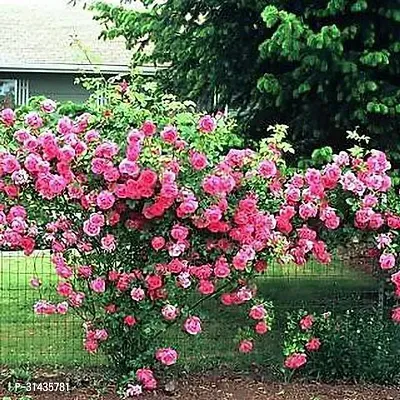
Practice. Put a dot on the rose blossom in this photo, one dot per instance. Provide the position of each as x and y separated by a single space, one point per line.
64 289
148 128
108 243
169 134
246 346
167 356
257 312
387 261
295 360
169 312
267 169
130 320
98 285
154 282
137 294
261 328
35 283
307 322
207 124
146 377
157 243
198 160
34 120
396 315
313 344
105 200
7 116
48 106
192 325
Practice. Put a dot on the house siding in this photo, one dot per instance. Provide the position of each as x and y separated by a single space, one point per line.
59 87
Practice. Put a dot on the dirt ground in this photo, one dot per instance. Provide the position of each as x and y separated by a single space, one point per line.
210 388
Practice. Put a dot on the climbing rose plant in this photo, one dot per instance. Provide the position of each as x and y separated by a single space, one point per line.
144 228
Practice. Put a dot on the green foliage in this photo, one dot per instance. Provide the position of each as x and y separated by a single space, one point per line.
336 63
212 46
322 66
359 346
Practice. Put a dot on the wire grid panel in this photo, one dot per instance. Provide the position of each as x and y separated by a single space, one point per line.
57 340
26 337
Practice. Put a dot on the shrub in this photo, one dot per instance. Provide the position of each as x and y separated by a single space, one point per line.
141 208
354 346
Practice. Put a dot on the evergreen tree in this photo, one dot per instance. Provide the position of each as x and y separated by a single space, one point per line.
322 67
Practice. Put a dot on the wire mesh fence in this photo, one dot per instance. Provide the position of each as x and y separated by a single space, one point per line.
57 340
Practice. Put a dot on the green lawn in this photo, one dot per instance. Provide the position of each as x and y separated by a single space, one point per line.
57 340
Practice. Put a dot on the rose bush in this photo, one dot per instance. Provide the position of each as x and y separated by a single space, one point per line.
352 346
144 202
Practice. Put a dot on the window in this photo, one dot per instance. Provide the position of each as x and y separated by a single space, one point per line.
13 92
21 91
7 93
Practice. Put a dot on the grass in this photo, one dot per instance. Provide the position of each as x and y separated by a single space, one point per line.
57 340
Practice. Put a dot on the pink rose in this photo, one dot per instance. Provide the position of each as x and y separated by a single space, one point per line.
295 360
108 243
76 299
129 168
169 312
34 120
376 221
35 283
308 210
64 289
7 117
313 344
169 134
261 328
198 160
105 200
85 271
221 269
307 322
157 243
130 320
48 106
396 315
62 308
137 294
206 287
207 124
91 229
97 219
257 312
179 232
148 128
154 282
192 325
101 334
246 346
176 249
92 136
146 377
267 169
144 374
167 356
98 285
387 261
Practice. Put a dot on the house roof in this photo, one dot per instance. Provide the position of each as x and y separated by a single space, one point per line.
53 36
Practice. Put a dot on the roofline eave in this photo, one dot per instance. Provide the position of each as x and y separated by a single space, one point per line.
74 69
